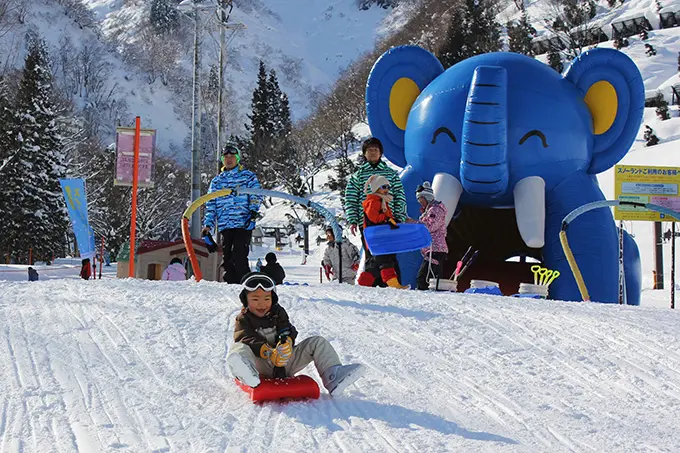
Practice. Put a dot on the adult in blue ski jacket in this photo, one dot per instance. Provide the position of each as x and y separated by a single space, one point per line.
235 216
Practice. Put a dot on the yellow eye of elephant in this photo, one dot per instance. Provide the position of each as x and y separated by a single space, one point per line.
533 133
443 130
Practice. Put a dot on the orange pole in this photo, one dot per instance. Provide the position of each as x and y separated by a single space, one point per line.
135 177
30 255
186 235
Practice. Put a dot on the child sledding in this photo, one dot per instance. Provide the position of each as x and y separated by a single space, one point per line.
265 343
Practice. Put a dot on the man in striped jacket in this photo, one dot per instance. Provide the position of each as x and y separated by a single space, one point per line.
235 215
355 193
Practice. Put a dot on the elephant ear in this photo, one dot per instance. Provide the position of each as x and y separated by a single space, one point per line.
612 88
395 82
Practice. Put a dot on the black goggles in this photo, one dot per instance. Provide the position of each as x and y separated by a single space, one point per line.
259 281
230 150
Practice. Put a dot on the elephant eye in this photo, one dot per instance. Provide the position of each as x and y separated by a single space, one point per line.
535 133
443 130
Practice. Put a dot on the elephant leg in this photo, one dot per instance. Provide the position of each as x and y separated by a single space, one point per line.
592 238
409 262
632 269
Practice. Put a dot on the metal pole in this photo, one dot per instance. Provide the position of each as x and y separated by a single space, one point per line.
658 255
195 230
621 272
223 22
672 264
305 227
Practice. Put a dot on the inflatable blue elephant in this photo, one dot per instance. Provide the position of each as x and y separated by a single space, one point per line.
503 136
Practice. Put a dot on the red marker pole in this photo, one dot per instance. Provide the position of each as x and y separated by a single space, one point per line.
135 178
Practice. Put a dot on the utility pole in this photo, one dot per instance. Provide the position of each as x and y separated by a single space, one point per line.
195 229
223 22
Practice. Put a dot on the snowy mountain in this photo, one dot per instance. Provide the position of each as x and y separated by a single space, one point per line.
307 50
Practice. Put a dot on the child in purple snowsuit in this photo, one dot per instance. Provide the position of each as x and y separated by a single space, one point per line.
434 217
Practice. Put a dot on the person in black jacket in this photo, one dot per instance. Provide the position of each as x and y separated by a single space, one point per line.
273 269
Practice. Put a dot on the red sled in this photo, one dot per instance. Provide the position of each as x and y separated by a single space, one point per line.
296 387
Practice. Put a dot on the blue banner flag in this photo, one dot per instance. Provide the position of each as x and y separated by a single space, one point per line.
76 202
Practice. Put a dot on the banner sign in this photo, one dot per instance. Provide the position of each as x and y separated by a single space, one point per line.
76 203
647 184
125 156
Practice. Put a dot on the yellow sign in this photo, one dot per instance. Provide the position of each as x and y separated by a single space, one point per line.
647 184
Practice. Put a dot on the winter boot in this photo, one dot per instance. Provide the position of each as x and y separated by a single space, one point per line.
243 370
389 276
337 378
366 279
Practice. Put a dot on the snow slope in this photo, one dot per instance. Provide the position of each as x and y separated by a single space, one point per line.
130 365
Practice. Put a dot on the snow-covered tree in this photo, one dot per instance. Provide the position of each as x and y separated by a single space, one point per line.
472 30
555 60
520 34
164 16
40 213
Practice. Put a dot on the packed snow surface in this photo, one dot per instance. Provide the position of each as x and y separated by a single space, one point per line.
138 366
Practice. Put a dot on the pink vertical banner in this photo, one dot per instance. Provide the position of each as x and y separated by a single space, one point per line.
125 156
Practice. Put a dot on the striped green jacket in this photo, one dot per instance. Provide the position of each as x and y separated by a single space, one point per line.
355 193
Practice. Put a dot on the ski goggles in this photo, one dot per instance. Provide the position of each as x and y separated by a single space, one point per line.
261 281
385 187
232 150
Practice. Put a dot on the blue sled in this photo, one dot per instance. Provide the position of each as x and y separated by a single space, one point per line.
382 240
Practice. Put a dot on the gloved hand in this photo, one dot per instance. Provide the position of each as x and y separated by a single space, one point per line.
355 267
282 353
254 216
393 224
276 357
328 270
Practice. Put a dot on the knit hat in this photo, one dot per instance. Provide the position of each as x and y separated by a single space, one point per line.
270 258
375 182
425 190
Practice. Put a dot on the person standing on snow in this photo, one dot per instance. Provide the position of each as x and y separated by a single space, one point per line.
235 215
377 212
175 271
355 193
434 217
332 261
32 275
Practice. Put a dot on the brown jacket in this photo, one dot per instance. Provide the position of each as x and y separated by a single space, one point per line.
256 332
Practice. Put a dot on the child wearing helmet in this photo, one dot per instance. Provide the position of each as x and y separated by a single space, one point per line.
265 342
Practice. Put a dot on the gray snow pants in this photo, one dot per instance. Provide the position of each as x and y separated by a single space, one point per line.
313 349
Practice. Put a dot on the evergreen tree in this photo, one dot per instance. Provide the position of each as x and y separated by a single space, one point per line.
40 213
520 34
259 127
555 60
8 155
650 50
650 138
472 30
164 16
661 107
270 127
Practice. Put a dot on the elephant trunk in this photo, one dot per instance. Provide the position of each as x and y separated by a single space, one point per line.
484 163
